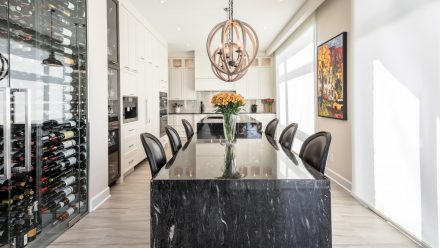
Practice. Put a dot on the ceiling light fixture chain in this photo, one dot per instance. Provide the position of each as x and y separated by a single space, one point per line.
231 59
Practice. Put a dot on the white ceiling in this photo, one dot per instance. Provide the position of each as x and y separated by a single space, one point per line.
185 24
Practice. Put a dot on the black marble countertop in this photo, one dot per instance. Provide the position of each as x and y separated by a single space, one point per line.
212 113
204 159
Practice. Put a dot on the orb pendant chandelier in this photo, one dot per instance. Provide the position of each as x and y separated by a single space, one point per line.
236 49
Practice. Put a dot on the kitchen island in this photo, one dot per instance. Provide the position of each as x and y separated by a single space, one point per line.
211 127
252 194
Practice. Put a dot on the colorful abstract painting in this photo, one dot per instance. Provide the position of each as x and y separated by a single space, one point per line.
332 78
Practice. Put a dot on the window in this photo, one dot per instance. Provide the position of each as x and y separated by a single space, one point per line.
295 64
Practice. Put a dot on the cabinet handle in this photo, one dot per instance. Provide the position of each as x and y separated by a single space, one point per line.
131 130
131 161
126 67
130 146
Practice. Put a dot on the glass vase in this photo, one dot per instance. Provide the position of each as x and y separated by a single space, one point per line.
230 170
229 127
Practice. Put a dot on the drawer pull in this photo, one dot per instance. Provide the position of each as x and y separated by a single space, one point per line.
131 161
130 146
131 130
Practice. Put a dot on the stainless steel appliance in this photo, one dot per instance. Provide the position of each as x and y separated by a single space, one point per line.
114 170
130 108
163 112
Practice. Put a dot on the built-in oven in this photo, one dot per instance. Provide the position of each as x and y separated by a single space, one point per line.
114 170
163 112
130 108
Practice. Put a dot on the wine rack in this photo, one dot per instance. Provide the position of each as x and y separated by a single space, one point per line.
44 138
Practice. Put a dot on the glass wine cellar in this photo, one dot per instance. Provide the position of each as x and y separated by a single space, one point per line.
43 119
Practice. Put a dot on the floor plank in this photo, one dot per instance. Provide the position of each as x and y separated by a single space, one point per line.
123 220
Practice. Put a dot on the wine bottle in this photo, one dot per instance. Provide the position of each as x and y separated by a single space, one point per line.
66 201
31 230
56 194
58 155
69 212
62 183
50 124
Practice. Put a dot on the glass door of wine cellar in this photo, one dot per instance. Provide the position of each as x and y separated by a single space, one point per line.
43 119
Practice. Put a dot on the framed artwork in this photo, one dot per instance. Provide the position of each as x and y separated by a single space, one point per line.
332 78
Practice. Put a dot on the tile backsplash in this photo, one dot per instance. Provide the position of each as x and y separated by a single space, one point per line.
193 106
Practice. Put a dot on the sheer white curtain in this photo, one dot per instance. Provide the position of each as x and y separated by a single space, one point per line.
295 64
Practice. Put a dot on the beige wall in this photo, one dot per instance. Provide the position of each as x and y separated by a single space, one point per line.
332 18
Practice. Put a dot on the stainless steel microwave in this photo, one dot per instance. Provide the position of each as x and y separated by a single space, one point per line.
130 108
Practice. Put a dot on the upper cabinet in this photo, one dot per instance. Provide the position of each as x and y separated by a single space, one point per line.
127 27
259 81
182 79
140 41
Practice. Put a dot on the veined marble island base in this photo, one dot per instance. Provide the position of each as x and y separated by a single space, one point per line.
240 213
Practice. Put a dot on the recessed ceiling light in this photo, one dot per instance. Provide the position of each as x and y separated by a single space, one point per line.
162 1
179 29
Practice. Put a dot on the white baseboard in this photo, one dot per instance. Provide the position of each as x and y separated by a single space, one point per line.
99 199
340 180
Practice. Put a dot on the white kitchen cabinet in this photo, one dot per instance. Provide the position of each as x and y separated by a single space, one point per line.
140 41
148 47
144 73
124 38
132 43
181 83
128 83
163 67
266 83
188 84
258 83
155 53
127 40
253 84
176 83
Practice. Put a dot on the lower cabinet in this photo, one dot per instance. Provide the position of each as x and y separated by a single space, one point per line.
129 146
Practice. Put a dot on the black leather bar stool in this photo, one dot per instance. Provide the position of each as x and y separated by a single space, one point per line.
315 149
288 135
174 138
188 129
271 128
155 152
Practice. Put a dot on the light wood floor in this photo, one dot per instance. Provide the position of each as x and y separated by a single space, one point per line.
123 220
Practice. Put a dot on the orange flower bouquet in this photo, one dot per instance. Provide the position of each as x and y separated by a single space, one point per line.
228 104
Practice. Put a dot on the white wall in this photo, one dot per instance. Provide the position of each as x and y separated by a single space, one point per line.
98 95
332 18
396 112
